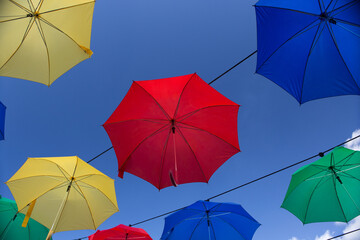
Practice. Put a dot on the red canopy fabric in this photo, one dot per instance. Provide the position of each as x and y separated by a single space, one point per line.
173 130
121 232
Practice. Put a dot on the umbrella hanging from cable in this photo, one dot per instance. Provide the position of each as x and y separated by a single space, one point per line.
42 39
326 190
210 221
174 130
63 193
310 48
121 232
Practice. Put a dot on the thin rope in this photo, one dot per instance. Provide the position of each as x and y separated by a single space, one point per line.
344 234
233 67
321 154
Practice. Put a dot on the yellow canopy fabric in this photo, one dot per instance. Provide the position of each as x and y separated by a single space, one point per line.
42 39
67 189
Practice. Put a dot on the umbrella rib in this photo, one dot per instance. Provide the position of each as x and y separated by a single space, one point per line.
10 181
187 115
21 6
348 29
196 226
28 28
199 129
182 91
144 119
349 4
163 110
345 174
182 135
312 193
289 9
212 226
14 19
87 204
301 31
41 31
232 227
163 157
346 159
136 147
314 42
330 5
337 197
337 48
64 8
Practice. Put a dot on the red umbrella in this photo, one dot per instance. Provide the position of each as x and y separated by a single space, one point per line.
121 232
173 130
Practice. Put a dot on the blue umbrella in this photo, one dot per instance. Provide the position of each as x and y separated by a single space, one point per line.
2 120
310 48
210 221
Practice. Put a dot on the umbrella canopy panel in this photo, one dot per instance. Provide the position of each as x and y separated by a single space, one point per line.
42 39
210 221
86 196
326 190
173 130
310 48
10 223
121 232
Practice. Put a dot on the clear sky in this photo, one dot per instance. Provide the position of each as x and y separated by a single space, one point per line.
141 40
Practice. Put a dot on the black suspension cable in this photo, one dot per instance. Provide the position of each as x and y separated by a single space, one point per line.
233 67
344 234
321 154
100 154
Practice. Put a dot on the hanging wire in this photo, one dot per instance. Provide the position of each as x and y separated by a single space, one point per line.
321 154
233 67
100 154
344 234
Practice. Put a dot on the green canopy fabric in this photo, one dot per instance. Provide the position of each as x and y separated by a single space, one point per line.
327 190
10 223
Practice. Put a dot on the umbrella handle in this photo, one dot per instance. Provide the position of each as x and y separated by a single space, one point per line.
52 229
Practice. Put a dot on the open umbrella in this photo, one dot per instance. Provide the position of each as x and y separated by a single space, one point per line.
63 193
173 130
326 190
10 223
310 48
42 39
2 121
210 221
121 232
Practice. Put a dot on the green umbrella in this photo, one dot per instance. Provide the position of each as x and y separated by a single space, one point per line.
327 190
11 220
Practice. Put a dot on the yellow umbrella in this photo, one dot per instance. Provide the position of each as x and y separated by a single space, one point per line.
63 193
42 39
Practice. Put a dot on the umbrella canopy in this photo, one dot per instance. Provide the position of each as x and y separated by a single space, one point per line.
10 223
42 39
326 190
121 232
173 130
2 121
210 220
63 193
310 48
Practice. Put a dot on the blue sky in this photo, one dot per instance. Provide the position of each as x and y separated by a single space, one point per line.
140 40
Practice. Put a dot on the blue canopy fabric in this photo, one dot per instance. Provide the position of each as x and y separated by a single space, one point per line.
310 48
210 221
2 120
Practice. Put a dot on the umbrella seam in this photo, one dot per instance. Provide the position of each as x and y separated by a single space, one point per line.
343 6
142 119
182 91
14 19
163 157
59 9
313 44
338 50
185 116
200 129
301 31
21 6
196 226
161 108
201 169
28 28
137 146
42 34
